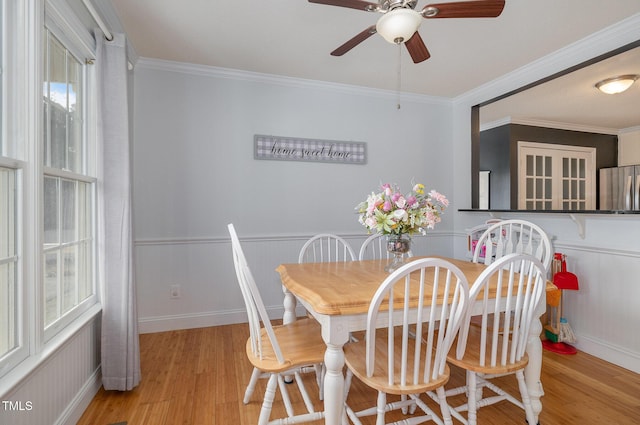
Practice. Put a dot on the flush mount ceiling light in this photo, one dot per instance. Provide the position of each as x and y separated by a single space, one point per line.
616 84
398 25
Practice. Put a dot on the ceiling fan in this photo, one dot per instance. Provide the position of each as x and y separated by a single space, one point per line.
400 21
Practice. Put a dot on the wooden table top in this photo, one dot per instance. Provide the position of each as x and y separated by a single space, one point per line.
347 287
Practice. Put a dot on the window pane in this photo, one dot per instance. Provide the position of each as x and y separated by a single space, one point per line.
50 287
539 192
68 211
529 170
58 103
63 111
69 278
8 260
547 188
8 319
75 116
68 249
51 208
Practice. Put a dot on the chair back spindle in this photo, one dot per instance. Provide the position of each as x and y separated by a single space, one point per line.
326 247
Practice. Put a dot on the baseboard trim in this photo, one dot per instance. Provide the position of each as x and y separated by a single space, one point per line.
202 320
610 353
81 401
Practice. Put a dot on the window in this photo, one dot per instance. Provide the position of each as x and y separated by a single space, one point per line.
68 187
556 177
47 181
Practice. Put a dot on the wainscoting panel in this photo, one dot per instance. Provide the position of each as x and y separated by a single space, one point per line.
604 312
60 388
203 269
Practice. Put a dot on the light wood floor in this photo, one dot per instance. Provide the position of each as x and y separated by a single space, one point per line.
198 376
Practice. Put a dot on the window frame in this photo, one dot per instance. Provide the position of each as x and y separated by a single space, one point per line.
74 45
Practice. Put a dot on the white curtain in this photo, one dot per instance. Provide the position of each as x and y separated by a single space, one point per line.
120 345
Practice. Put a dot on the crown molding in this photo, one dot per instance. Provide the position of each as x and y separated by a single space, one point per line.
291 82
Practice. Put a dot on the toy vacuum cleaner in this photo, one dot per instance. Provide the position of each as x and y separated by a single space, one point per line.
558 332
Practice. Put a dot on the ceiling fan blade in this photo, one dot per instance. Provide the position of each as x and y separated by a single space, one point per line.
354 41
417 49
464 9
353 4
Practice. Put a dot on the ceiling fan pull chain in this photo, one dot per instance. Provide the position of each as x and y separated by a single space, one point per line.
398 88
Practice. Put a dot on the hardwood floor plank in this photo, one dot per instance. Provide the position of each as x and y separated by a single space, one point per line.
198 377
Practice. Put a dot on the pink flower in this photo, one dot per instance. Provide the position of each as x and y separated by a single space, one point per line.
387 206
370 222
411 200
440 198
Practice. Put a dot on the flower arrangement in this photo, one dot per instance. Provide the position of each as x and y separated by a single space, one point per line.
391 212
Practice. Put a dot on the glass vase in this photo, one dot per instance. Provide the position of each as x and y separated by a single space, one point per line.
397 247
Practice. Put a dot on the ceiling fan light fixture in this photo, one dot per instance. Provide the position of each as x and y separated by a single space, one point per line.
398 25
616 84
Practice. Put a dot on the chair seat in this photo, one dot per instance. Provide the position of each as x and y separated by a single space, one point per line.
471 359
295 354
355 359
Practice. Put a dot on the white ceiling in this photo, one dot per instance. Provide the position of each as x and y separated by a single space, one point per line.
294 38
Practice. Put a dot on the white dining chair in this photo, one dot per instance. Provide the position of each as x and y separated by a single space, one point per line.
513 236
391 362
496 347
276 351
375 247
326 247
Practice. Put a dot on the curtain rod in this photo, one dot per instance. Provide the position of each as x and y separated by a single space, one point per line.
96 17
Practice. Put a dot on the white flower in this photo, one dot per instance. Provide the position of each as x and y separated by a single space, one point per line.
400 215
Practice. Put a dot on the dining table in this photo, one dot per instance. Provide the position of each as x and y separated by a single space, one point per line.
338 294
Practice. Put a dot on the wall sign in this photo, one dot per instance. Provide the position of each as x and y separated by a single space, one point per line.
311 150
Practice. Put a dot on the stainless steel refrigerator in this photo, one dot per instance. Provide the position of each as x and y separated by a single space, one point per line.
620 188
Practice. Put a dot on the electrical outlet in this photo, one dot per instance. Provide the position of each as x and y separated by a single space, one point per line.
174 292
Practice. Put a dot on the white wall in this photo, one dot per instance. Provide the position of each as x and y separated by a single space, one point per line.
603 250
629 147
194 172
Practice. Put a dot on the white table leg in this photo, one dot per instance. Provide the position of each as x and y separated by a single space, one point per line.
533 369
289 315
335 338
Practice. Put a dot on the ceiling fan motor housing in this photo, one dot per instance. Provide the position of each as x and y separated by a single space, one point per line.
388 5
